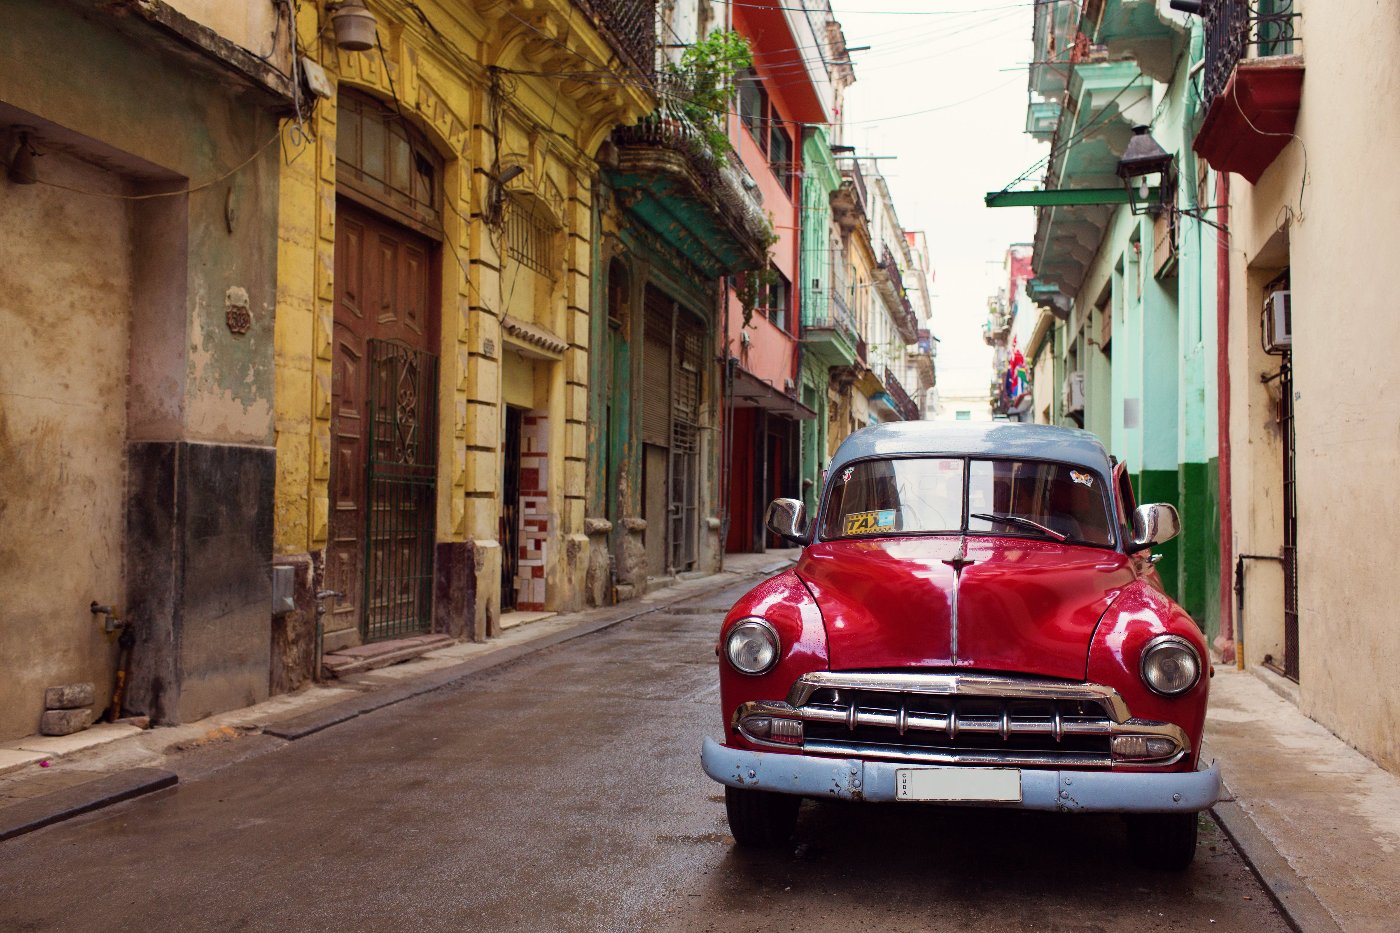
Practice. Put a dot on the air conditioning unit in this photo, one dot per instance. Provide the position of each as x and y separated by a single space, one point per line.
1073 396
1278 320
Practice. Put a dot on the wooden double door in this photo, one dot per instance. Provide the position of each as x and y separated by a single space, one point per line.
383 427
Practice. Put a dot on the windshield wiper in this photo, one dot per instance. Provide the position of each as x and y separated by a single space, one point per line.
1019 521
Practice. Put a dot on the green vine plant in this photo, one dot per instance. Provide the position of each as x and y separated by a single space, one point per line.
752 290
706 74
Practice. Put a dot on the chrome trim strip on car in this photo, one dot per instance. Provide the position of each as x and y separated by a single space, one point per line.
1066 790
970 757
968 685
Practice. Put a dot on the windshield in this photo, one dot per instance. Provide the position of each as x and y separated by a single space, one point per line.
927 495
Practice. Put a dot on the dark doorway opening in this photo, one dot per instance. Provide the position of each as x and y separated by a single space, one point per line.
510 507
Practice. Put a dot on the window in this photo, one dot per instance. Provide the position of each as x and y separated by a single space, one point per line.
1013 497
768 129
777 301
530 236
941 495
885 497
380 157
780 153
753 108
964 414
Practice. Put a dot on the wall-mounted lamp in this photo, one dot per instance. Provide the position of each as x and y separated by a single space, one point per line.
499 180
1144 166
354 25
21 170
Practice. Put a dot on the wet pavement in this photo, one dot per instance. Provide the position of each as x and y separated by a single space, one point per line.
563 792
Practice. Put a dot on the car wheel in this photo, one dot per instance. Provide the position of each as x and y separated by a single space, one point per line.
760 819
1162 840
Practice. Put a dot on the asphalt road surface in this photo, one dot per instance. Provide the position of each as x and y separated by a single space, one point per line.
563 792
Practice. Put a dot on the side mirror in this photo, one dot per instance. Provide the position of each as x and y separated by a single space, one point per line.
1154 524
787 518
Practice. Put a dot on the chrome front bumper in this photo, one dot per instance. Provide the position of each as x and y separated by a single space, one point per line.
1047 789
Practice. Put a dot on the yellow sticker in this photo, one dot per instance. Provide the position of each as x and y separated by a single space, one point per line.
870 523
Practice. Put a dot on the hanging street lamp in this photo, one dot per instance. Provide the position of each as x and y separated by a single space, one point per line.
1145 166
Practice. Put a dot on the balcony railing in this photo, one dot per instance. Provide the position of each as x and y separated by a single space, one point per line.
1233 27
905 319
670 126
902 401
631 24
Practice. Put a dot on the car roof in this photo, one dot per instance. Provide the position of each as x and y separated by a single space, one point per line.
975 439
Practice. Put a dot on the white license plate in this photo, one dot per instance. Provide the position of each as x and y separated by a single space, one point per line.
979 785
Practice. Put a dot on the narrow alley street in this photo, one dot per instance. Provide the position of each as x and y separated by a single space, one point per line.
563 792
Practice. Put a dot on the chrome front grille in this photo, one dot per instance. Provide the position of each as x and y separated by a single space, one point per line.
970 719
1049 729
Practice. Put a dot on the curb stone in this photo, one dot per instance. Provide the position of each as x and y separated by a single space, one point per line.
82 798
1289 892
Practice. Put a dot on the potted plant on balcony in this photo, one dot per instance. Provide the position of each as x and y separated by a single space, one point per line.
703 88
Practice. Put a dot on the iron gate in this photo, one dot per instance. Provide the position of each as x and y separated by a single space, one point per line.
1290 521
402 487
688 355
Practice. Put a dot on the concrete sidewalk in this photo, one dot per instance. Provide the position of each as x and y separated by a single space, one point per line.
46 780
1318 821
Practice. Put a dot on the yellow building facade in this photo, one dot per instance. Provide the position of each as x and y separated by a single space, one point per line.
434 296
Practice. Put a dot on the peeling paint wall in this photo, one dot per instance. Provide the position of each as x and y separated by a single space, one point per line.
64 313
163 508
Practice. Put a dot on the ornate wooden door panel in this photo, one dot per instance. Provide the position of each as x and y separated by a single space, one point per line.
383 299
345 549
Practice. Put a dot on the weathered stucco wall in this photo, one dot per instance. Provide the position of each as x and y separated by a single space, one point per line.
64 323
1339 229
193 463
260 26
435 67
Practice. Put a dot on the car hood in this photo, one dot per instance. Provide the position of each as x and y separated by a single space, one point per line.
1023 606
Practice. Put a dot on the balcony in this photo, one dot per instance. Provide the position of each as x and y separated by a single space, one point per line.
902 402
1103 103
695 200
630 25
1253 81
889 281
848 201
1145 31
828 327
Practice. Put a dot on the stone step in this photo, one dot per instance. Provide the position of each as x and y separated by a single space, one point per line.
371 657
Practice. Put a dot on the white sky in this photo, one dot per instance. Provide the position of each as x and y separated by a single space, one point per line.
955 55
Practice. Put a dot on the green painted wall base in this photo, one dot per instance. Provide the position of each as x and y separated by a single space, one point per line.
1190 565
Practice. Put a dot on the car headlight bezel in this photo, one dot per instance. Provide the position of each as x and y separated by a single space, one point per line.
1158 648
749 632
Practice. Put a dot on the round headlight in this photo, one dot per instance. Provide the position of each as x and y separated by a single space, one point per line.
1170 665
752 646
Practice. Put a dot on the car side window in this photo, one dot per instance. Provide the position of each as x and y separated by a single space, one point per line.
1127 502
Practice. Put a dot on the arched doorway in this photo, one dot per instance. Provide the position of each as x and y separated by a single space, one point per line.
384 383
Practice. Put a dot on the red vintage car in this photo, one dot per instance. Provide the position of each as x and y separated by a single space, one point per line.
975 619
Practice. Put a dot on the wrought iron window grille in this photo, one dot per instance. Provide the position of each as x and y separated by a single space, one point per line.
530 238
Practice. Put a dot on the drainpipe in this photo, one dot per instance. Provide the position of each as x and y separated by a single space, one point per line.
1227 643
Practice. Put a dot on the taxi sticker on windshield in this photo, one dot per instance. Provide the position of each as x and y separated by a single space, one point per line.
1083 479
846 474
870 523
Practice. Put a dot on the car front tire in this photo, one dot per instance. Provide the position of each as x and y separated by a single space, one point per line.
760 819
1164 841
